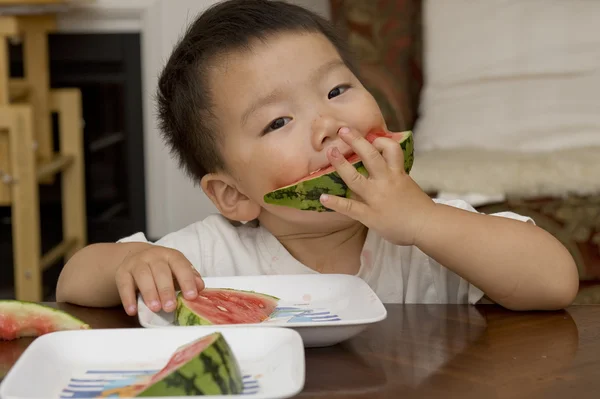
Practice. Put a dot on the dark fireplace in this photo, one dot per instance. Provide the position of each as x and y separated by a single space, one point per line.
107 69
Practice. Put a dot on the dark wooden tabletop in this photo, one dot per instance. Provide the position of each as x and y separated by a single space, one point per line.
445 351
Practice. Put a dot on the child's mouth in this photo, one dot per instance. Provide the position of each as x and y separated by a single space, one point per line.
347 155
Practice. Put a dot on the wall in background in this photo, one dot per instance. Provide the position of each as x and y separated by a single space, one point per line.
319 6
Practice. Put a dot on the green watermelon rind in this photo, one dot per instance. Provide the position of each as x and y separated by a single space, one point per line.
24 309
184 316
214 371
306 194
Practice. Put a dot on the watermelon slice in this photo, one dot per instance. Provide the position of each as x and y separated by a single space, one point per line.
305 193
27 319
224 306
206 366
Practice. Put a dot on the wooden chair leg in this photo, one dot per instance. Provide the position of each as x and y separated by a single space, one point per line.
37 74
4 94
4 70
25 202
67 102
4 169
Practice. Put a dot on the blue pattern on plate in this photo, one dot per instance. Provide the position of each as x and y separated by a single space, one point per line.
92 383
303 315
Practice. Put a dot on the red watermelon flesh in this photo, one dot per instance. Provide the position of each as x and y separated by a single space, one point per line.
225 306
182 356
352 158
28 319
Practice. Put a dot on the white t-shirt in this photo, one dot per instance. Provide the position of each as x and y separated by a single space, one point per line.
397 274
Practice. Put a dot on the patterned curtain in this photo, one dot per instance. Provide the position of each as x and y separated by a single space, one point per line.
386 38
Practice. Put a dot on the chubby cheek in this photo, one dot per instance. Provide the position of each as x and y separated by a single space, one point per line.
269 168
286 168
364 114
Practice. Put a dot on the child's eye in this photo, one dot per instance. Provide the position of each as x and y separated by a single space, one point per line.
277 124
337 91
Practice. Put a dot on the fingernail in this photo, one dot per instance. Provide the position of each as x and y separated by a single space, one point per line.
324 197
190 293
168 304
336 153
344 130
154 304
131 309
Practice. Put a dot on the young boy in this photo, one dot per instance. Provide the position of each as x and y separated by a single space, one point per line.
260 93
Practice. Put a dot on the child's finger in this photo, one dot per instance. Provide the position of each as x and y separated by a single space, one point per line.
185 274
126 288
391 152
163 278
355 197
354 209
145 283
355 181
199 283
369 155
188 282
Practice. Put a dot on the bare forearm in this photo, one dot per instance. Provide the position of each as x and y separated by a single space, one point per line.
517 265
88 278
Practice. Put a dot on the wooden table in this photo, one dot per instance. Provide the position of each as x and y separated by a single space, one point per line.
445 351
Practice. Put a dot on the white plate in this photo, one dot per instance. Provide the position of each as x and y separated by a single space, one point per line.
68 364
324 308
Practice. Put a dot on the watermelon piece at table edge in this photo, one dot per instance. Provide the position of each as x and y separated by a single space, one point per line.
30 319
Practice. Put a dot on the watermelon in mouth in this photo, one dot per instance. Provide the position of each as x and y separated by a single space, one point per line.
306 192
27 319
224 306
206 366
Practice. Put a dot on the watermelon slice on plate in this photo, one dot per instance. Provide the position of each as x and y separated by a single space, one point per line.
206 366
224 306
305 193
323 308
28 319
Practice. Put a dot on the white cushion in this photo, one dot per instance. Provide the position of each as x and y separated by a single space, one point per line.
510 75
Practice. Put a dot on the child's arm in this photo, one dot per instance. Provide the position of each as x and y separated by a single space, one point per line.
88 278
517 265
103 275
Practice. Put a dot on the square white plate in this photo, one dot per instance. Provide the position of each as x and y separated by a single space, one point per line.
324 308
71 364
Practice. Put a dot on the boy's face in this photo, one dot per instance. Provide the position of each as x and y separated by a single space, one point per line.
279 107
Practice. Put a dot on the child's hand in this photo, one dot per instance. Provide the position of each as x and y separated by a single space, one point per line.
391 203
151 271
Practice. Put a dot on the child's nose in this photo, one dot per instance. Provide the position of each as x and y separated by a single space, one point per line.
324 130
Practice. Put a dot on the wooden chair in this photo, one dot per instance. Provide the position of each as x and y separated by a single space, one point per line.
27 156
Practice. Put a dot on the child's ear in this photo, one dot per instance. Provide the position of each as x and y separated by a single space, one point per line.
230 202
